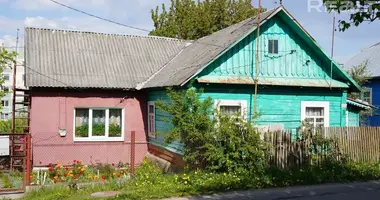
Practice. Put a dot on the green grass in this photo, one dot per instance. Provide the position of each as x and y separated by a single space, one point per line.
151 183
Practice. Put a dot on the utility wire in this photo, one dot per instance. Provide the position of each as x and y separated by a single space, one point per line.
97 17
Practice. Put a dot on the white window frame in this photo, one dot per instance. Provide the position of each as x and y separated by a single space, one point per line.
316 104
104 138
241 103
150 132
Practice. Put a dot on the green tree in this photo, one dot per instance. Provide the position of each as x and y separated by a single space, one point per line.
362 11
190 20
361 75
6 59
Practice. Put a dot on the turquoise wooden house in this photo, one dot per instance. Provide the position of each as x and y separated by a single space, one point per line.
297 80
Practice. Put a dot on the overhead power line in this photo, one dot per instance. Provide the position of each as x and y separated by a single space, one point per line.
97 17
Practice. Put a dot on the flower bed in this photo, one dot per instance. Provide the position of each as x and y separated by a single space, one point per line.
79 173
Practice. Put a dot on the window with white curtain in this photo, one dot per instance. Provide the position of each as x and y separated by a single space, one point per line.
98 124
316 113
231 107
151 119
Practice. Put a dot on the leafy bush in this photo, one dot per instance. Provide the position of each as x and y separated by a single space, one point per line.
326 172
223 143
6 126
191 122
235 146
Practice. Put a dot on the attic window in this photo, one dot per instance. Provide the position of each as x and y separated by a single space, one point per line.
273 46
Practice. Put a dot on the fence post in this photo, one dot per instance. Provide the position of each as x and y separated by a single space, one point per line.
28 159
133 141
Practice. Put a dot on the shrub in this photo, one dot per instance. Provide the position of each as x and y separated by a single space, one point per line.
222 143
191 122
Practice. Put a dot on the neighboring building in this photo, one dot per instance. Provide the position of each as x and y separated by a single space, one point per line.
84 101
371 90
6 101
83 83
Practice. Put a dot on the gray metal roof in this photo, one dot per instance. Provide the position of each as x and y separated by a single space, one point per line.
370 54
62 58
195 56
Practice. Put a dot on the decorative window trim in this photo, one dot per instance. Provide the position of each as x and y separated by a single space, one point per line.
105 138
150 132
242 103
317 104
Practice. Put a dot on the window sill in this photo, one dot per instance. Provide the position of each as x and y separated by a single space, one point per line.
118 139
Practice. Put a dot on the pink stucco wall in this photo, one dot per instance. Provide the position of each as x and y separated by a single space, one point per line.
52 110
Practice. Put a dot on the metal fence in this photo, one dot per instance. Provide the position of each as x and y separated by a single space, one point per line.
15 165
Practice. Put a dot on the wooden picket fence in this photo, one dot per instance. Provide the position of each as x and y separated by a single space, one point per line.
360 144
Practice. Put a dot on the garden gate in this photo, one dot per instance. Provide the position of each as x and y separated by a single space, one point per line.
15 147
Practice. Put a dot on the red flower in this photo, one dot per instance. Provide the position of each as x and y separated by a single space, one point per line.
122 171
64 175
118 175
113 164
80 172
103 177
50 169
75 161
78 161
67 169
55 180
62 180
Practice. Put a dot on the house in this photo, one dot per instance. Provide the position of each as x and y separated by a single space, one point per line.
371 90
84 85
84 104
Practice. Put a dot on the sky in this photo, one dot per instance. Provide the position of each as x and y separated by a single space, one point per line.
16 14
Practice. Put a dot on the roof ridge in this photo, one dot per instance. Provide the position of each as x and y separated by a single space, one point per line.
377 43
106 34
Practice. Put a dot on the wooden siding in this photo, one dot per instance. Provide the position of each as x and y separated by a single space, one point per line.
276 105
290 62
161 126
280 105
